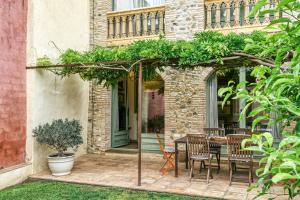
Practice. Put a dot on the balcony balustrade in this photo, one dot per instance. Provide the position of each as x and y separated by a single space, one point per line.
233 15
133 24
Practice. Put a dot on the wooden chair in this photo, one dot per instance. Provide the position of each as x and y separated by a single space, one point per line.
198 150
244 131
236 154
229 127
169 156
215 148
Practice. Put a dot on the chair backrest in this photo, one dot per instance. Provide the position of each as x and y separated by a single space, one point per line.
234 142
198 144
214 131
161 146
245 131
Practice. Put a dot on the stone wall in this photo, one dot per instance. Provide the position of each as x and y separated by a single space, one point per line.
184 90
184 18
99 119
98 21
184 102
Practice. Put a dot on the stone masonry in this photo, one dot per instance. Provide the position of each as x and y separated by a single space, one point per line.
99 118
184 18
184 89
184 102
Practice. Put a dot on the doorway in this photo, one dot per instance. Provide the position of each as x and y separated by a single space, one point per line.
227 116
124 114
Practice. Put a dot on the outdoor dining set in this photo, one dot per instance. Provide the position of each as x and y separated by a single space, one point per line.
206 147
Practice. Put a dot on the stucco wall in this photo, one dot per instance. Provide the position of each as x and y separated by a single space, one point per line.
12 82
66 23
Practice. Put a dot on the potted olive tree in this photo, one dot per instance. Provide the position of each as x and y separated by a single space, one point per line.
60 135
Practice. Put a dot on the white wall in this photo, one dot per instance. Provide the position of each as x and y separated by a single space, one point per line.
66 23
14 175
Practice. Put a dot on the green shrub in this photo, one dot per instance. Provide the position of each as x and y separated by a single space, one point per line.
59 135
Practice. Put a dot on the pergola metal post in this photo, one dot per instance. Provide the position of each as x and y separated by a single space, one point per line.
139 132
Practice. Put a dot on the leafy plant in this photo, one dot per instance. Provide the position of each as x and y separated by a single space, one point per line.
59 135
205 46
43 61
277 90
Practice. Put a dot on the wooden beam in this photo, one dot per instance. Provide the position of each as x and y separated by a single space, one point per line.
80 65
140 85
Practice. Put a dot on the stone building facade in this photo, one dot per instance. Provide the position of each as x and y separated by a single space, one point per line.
185 90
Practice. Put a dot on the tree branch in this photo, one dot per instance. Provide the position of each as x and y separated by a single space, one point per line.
254 57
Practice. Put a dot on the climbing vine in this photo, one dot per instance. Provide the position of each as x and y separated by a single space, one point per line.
203 47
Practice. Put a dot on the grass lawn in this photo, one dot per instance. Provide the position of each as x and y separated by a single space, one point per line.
51 190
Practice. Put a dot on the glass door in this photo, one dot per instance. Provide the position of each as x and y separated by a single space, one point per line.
119 117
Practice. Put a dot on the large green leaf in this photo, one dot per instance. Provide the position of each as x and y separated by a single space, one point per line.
297 127
257 120
293 109
259 4
256 111
289 140
282 177
269 138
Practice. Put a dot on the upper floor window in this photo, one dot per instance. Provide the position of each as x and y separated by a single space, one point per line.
131 4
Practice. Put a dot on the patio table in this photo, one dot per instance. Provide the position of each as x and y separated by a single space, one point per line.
183 140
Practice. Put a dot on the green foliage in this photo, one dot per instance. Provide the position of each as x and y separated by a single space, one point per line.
276 90
59 135
205 46
43 61
278 165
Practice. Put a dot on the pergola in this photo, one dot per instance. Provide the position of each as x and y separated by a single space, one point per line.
236 60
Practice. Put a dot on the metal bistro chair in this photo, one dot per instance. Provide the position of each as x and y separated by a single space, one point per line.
198 150
169 155
236 154
215 148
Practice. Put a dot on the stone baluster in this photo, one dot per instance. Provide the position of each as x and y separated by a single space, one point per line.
138 25
236 13
208 17
130 26
227 24
111 27
118 32
161 22
218 15
266 16
153 22
123 26
277 14
145 24
247 12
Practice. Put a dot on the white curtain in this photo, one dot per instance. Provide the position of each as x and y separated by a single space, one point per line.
212 102
131 4
115 108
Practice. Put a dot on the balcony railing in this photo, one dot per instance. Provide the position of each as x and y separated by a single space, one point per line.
233 14
136 23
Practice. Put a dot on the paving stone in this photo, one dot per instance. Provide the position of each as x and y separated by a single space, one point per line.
120 170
